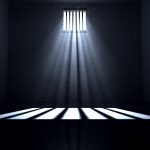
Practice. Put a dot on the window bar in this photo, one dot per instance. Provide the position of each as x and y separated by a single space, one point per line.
64 17
74 21
84 20
78 26
70 20
67 20
81 21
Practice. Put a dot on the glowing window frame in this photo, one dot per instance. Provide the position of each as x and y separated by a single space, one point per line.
74 20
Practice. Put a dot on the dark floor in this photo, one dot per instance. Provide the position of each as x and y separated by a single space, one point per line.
75 135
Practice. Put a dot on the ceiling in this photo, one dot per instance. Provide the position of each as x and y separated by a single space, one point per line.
73 1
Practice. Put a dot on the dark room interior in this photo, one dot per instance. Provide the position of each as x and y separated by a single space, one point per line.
105 65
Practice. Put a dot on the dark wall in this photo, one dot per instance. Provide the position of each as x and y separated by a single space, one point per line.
101 67
3 48
146 47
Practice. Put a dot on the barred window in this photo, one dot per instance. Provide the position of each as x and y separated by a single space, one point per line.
74 20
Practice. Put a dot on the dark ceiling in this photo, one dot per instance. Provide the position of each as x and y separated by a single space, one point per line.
70 1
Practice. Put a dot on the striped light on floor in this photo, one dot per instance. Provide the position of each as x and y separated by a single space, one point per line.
113 114
16 113
134 114
52 114
31 114
91 114
72 113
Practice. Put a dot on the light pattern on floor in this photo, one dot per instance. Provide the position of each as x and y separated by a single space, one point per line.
73 114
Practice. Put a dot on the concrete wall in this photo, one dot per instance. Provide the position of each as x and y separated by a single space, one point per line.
102 67
3 48
145 13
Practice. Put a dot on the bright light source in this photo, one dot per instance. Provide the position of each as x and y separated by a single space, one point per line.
70 21
84 20
65 19
68 25
78 20
81 21
74 20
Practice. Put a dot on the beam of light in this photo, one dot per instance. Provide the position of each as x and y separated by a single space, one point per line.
84 20
95 64
134 114
84 84
72 113
72 69
91 114
81 21
52 114
67 20
16 113
113 114
70 21
30 114
78 25
64 21
74 21
64 77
